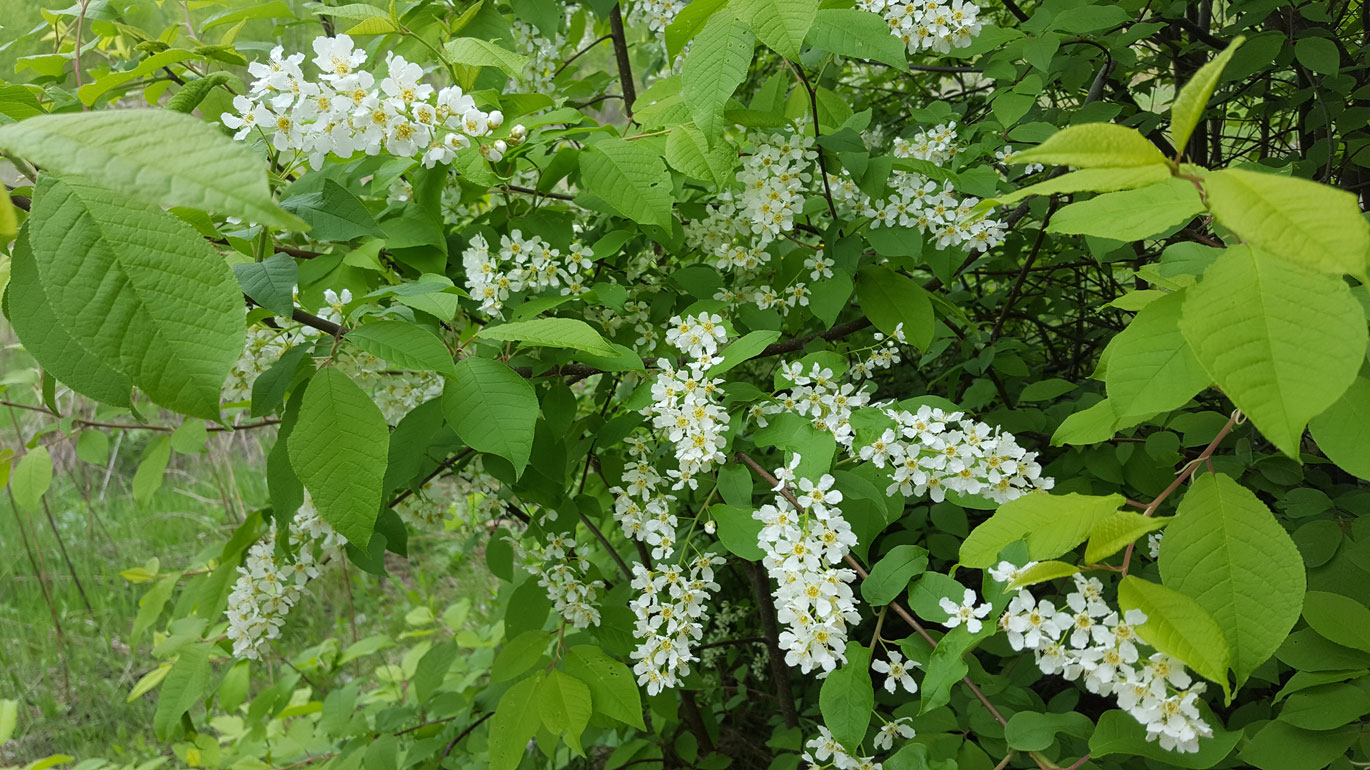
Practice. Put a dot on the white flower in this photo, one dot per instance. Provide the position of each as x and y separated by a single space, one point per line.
966 613
897 672
898 728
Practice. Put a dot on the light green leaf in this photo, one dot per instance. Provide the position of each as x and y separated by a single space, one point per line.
1226 550
890 299
744 348
613 688
1085 180
780 24
714 67
9 221
9 718
50 339
565 707
517 719
1150 366
148 682
947 666
1094 145
89 92
1120 733
270 283
339 448
1087 426
1112 533
687 24
151 469
158 157
688 151
1316 226
1131 215
32 477
404 344
1189 104
1033 731
631 178
1283 342
848 697
1338 618
1340 430
891 575
518 655
492 409
140 289
1178 626
333 213
1041 572
184 686
475 52
1051 525
857 34
551 333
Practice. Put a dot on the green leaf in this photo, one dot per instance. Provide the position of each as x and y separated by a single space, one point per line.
889 299
1316 226
333 213
737 530
947 666
687 24
1339 430
1338 618
551 333
1282 746
9 220
565 707
1032 731
1041 572
151 469
857 34
194 91
32 478
518 655
517 719
688 151
183 687
432 669
404 344
1189 104
49 338
744 348
89 92
1150 366
1283 342
714 67
270 283
1318 54
1326 707
1131 215
891 575
1118 732
1094 145
1179 627
630 177
9 718
141 289
1085 180
847 698
1051 525
1087 426
492 409
613 689
1116 530
780 24
339 448
475 52
157 157
1226 550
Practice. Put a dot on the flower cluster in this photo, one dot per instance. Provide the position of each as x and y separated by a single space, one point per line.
931 451
671 610
813 598
1088 640
774 177
818 396
685 402
346 110
883 355
263 347
655 14
544 56
936 145
1006 155
924 25
424 509
267 587
825 750
561 570
521 264
642 509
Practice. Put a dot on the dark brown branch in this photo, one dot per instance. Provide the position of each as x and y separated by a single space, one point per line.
625 65
438 471
779 671
579 54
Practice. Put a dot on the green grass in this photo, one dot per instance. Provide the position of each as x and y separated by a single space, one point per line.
72 688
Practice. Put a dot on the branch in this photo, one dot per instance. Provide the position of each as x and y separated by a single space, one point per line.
444 465
625 65
579 54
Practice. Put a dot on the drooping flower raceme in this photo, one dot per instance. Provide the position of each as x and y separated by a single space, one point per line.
671 608
521 264
686 403
561 570
267 586
923 25
348 109
1087 639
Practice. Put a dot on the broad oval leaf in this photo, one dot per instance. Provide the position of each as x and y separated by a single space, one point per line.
1340 430
339 448
1150 366
517 719
1193 97
847 698
564 703
1226 550
476 52
891 575
552 333
1338 618
492 409
1051 525
1282 341
1131 215
715 66
270 283
613 689
1179 627
780 24
32 477
858 34
631 178
1094 145
890 299
157 156
1115 531
404 344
